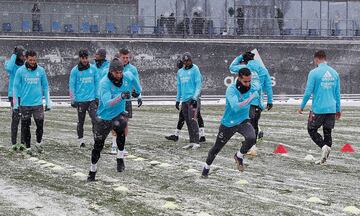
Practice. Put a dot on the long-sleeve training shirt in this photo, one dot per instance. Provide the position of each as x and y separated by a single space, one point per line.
189 84
324 85
260 75
31 86
237 105
110 102
83 85
11 67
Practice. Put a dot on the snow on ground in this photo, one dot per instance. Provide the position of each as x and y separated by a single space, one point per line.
163 179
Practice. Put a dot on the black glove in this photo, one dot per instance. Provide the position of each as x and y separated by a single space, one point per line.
139 102
134 94
269 106
193 103
19 50
47 108
125 95
177 105
74 104
179 64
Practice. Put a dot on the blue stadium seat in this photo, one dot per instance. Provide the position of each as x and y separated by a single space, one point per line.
68 28
110 28
357 32
134 29
287 31
55 26
313 32
6 27
25 26
85 27
94 28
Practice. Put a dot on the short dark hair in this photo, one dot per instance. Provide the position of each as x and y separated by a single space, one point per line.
244 72
30 53
320 54
124 51
117 56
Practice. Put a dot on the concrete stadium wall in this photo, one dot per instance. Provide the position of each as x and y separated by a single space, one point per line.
288 61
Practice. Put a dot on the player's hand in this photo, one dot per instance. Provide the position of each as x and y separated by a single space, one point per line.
177 105
300 111
134 94
125 95
47 108
73 104
139 102
269 106
179 64
193 103
337 115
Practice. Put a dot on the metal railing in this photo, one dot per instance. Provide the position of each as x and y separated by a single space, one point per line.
103 24
352 97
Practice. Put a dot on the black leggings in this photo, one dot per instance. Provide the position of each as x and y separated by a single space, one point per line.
225 134
82 107
181 121
26 113
255 114
102 130
315 121
15 120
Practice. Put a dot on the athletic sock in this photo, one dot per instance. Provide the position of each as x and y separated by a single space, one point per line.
114 141
81 140
120 154
206 166
93 167
239 155
202 132
177 132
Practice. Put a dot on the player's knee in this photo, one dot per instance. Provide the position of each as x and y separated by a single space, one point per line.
119 126
311 131
327 131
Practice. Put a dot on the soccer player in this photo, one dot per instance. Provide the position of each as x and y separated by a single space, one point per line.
236 119
83 88
101 63
31 85
124 56
189 84
17 60
175 137
323 85
114 91
259 75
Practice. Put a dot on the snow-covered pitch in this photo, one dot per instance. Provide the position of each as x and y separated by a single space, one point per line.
163 179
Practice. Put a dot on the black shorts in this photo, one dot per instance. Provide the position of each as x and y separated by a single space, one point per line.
315 121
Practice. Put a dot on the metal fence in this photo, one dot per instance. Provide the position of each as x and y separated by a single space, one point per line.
66 23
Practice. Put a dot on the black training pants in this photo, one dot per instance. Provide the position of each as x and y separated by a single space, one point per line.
225 134
26 113
102 130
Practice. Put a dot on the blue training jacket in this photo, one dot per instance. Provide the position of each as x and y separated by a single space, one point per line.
110 102
31 86
324 85
260 75
11 67
83 84
237 105
103 69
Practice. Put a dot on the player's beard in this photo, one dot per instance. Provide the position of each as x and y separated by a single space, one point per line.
242 89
